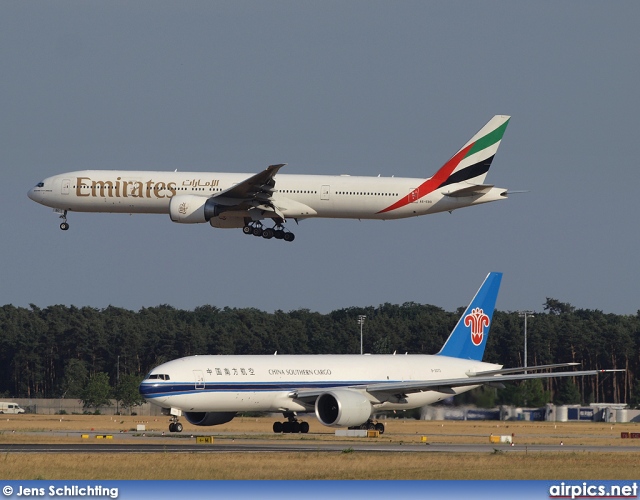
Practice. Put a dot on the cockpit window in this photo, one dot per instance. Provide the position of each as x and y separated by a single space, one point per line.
159 376
40 184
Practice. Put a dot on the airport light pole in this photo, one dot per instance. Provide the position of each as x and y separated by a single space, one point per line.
361 319
117 384
525 314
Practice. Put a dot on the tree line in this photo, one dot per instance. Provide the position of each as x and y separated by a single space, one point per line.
56 351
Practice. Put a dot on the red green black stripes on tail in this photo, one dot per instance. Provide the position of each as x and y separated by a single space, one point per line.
452 172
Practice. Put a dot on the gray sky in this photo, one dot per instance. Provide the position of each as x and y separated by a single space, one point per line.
356 87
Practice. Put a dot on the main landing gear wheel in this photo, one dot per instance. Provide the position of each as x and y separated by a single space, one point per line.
370 425
278 232
291 426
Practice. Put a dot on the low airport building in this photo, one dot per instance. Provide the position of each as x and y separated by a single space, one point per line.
596 412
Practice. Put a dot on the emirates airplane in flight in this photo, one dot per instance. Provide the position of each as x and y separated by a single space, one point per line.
233 200
342 390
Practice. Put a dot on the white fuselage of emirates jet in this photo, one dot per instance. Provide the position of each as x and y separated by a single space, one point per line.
300 196
227 200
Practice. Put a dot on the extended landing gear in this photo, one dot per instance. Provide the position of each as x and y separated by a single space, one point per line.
291 426
64 225
278 231
174 425
370 425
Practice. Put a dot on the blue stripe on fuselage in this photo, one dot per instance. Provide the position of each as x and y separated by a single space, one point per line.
156 390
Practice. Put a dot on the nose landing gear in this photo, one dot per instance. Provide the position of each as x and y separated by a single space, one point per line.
174 425
64 225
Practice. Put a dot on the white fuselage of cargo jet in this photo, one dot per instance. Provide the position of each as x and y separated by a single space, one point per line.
343 390
280 383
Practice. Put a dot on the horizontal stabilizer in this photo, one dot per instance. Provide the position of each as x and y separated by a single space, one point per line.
471 190
521 369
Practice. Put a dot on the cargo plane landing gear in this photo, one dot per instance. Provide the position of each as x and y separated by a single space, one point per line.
278 231
370 425
174 425
291 426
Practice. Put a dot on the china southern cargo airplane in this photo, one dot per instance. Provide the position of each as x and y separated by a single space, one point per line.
232 200
342 390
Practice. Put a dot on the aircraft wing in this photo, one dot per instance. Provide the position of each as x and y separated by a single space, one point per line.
448 384
255 194
258 187
383 391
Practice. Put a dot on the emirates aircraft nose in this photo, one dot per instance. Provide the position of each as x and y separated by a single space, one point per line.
34 192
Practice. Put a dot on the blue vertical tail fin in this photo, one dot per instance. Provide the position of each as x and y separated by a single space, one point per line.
469 338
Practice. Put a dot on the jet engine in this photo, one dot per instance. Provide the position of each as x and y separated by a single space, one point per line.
343 408
192 209
209 418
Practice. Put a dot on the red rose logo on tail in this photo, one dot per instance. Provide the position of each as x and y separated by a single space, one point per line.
477 320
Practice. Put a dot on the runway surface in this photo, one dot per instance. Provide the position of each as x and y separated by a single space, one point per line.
260 446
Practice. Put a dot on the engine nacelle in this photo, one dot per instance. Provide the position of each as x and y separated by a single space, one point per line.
192 209
343 408
209 418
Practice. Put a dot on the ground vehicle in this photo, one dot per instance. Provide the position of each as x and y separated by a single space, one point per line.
14 408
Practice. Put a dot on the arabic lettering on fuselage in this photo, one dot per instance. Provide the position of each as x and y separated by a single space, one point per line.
201 183
121 188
